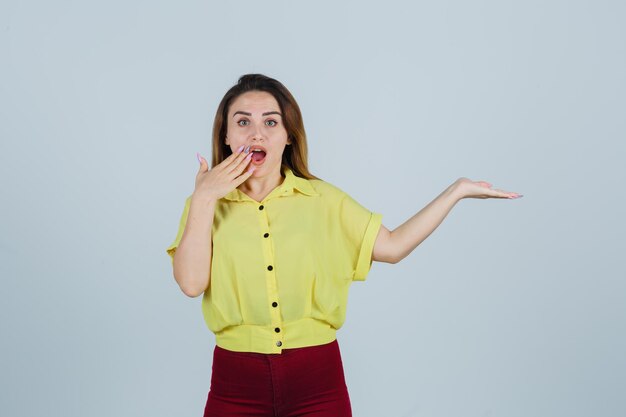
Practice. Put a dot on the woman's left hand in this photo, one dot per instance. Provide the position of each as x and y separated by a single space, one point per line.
466 188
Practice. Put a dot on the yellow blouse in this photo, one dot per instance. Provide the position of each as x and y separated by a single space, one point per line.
281 268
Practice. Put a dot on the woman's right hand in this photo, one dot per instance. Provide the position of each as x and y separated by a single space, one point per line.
213 184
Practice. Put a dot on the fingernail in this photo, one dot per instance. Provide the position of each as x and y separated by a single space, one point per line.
240 149
198 156
247 148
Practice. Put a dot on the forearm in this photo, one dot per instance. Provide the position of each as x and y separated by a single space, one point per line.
414 231
192 260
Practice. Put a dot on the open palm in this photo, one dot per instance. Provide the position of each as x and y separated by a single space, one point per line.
467 188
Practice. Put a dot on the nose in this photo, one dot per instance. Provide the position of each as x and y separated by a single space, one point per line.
258 134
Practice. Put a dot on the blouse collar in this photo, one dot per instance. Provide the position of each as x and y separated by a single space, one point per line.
288 187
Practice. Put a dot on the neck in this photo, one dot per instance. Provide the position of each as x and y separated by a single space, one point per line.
262 184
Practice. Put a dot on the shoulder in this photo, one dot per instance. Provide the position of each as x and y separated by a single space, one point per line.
327 189
334 195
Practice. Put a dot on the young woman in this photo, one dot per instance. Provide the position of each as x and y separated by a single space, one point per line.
274 249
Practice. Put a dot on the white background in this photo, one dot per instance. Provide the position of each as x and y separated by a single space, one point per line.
510 308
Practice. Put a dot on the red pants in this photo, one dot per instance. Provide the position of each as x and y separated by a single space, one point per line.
306 381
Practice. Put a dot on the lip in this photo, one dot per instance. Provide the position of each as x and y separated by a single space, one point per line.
252 161
258 147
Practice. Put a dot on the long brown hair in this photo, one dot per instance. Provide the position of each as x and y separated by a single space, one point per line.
295 154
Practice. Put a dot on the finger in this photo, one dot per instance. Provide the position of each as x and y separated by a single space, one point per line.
203 163
236 153
227 163
241 157
501 193
509 194
240 179
242 164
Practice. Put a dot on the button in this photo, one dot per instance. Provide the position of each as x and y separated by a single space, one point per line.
270 267
261 207
277 330
279 343
266 235
274 304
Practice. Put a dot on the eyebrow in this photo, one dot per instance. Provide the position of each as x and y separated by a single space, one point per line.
250 114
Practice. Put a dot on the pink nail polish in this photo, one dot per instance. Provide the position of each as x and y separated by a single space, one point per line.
198 156
240 149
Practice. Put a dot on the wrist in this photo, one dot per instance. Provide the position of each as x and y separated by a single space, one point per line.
203 200
455 191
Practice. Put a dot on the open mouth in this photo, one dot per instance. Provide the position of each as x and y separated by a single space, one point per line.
258 157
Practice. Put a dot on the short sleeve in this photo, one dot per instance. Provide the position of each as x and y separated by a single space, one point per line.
360 228
171 250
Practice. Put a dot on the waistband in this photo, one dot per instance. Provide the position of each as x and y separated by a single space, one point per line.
265 339
302 351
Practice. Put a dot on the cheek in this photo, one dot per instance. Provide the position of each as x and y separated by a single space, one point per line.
236 132
278 133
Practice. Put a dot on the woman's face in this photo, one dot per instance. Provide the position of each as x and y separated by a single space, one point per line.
254 119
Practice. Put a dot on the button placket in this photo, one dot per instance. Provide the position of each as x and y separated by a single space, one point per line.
271 284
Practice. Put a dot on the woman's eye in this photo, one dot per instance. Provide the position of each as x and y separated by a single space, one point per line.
242 122
272 121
